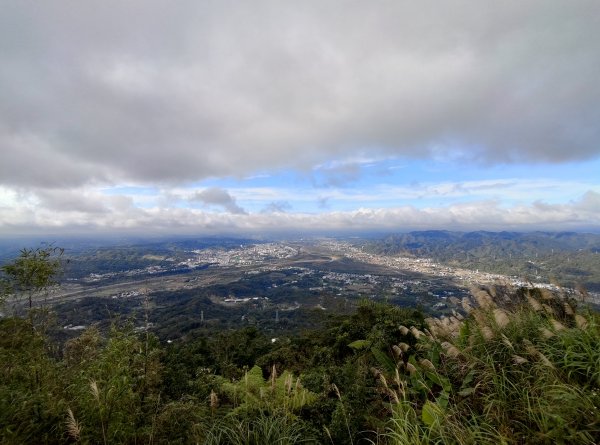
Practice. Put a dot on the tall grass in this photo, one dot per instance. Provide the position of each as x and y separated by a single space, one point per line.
521 368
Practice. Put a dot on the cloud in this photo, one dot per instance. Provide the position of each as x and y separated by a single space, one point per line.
219 197
27 218
89 96
72 201
323 202
338 175
590 202
277 207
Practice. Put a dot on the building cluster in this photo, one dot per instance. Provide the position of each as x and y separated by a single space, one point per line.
244 255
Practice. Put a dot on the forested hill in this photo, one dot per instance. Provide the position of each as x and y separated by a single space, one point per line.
567 258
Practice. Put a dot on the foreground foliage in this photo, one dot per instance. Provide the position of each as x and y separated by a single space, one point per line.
522 368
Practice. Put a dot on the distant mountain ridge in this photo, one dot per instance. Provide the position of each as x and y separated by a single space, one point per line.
568 258
437 241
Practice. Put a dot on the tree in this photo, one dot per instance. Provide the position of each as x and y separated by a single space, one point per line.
32 273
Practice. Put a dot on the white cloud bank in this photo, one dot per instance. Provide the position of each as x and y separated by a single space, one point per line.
48 214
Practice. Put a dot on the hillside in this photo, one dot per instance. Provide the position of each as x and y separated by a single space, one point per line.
567 258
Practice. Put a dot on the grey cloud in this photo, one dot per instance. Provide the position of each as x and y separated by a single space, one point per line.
70 201
338 176
180 93
323 202
218 196
82 201
277 207
590 202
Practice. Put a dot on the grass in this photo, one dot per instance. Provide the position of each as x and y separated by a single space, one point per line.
259 430
520 369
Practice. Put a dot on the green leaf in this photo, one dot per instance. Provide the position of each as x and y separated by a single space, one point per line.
430 413
444 382
382 358
360 344
468 378
443 399
466 392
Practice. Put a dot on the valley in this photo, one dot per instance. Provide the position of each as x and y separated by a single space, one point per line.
278 285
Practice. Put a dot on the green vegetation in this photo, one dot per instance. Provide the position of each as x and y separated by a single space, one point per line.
520 367
31 274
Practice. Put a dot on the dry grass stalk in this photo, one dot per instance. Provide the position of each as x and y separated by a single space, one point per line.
480 318
531 350
273 377
401 384
73 427
507 342
549 310
568 309
501 318
534 304
397 351
455 320
436 332
581 321
450 349
336 390
518 360
289 383
429 334
411 369
546 333
433 323
415 332
95 390
487 333
547 295
383 380
457 315
483 299
545 360
394 395
455 329
214 400
557 325
403 330
466 305
403 346
427 364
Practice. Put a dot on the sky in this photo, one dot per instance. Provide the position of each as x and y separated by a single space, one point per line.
206 117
